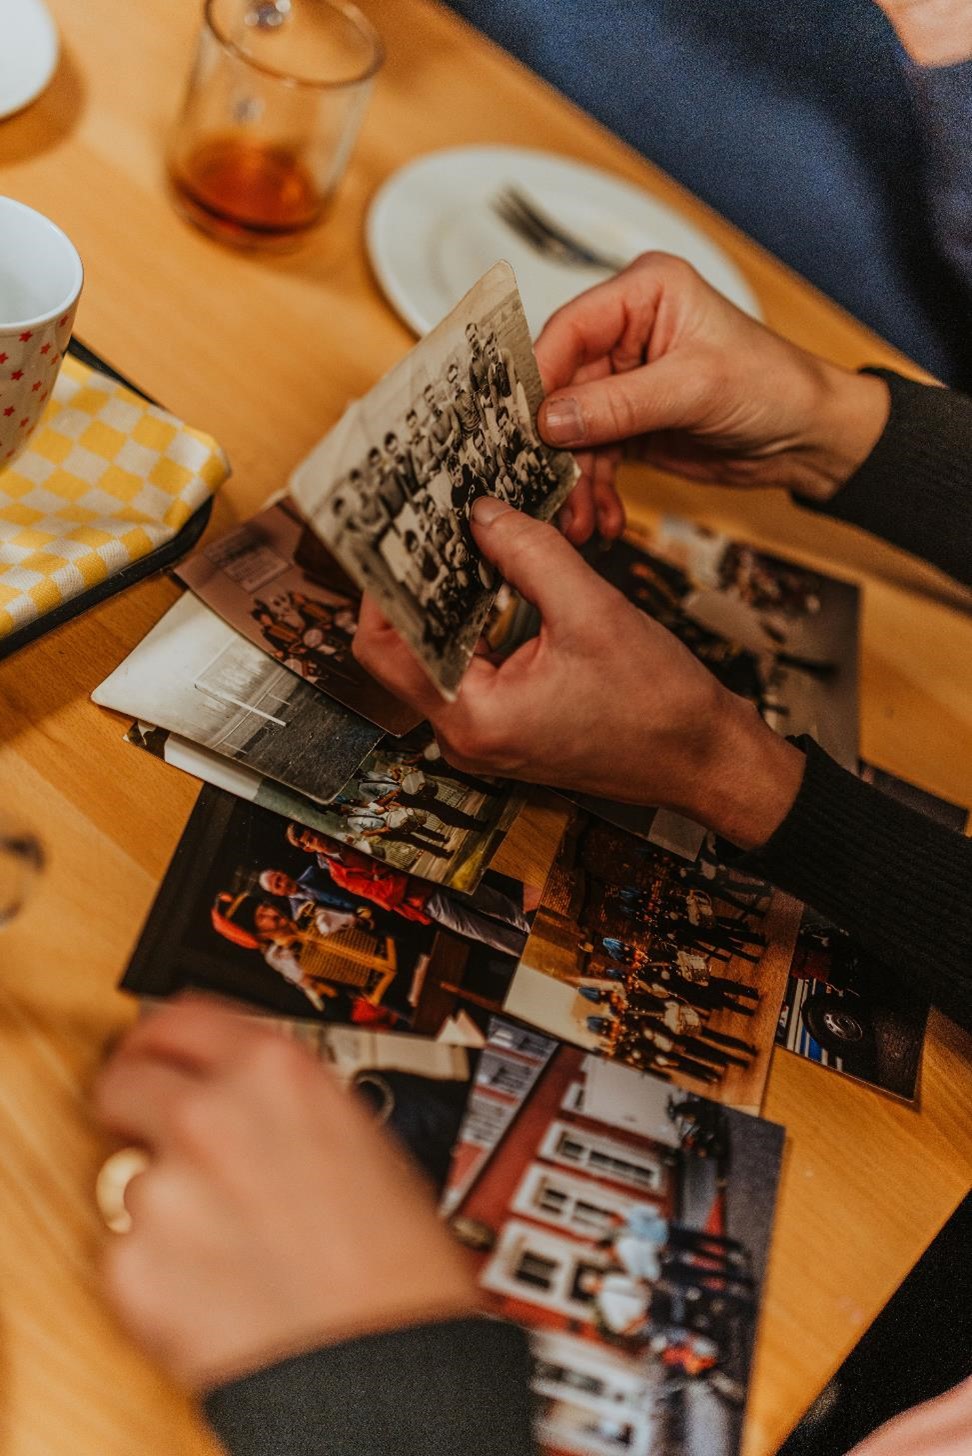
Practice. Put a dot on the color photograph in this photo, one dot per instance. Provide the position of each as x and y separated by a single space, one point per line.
258 907
405 805
673 968
627 1226
842 1010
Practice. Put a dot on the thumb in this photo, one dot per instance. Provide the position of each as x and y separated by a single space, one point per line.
664 395
536 560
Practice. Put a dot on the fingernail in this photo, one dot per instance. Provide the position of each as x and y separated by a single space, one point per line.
487 508
562 422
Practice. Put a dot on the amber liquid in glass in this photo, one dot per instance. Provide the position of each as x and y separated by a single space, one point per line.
246 190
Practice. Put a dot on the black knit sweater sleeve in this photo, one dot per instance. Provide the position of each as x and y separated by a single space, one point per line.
915 487
901 883
459 1386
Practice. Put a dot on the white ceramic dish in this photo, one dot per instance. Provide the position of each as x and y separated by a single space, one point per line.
432 231
28 52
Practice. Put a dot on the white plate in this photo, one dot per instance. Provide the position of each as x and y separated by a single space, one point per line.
431 231
28 52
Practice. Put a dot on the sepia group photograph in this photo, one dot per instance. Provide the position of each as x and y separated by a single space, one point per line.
777 634
390 489
303 615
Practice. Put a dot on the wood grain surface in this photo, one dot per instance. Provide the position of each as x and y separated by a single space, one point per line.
265 352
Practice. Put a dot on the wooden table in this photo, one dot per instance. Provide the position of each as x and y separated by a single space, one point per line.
264 353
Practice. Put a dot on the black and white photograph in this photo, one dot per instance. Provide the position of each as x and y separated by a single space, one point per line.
627 1225
197 677
405 804
262 909
391 488
305 619
784 637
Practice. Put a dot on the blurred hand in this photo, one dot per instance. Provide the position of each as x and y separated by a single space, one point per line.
933 32
274 1215
656 360
941 1427
604 700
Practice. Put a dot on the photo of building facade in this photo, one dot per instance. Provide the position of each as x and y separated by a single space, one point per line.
596 1202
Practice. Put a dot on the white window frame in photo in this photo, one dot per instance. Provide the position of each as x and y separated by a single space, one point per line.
537 1175
518 1238
609 1147
630 1388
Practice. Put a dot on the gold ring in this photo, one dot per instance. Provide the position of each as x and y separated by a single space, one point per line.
114 1177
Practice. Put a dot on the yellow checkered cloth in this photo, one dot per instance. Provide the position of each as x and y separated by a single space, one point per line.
105 480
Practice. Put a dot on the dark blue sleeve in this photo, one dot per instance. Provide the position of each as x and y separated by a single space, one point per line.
942 97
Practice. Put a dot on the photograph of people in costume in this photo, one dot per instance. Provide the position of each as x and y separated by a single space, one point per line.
621 1224
262 908
675 968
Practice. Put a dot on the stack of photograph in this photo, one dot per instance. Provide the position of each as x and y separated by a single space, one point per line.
576 1055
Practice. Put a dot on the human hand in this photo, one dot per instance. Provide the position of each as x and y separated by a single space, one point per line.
941 1427
603 700
274 1215
656 360
933 32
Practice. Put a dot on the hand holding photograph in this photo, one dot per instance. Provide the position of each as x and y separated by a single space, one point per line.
391 488
627 1225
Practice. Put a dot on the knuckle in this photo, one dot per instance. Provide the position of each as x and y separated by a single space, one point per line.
471 748
276 1063
190 1121
622 409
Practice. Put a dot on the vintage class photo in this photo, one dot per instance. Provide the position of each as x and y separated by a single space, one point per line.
391 489
677 969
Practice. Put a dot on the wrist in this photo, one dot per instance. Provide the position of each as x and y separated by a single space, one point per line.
847 417
751 779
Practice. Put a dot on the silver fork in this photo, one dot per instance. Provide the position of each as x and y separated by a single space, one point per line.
547 237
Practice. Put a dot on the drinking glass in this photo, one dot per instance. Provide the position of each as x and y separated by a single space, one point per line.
274 103
21 858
